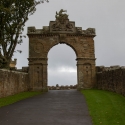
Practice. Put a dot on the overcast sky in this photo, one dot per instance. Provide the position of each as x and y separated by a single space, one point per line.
106 16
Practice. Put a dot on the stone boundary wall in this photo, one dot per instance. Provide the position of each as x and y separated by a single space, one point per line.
12 82
111 78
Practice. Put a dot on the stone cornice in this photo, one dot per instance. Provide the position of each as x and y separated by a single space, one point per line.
33 58
85 58
57 34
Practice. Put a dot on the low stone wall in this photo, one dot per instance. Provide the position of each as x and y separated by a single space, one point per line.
62 87
111 78
12 82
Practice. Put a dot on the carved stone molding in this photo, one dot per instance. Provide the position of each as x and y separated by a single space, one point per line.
89 31
60 25
35 59
62 38
62 30
38 47
85 58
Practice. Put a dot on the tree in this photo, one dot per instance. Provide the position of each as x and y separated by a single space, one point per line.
13 16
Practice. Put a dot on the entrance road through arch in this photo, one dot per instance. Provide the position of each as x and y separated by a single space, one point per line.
57 107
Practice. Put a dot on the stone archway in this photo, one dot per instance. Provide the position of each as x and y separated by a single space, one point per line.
61 31
62 69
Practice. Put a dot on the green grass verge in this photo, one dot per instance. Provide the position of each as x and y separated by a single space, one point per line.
106 108
17 97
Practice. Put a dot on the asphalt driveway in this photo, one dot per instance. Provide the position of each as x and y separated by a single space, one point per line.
57 107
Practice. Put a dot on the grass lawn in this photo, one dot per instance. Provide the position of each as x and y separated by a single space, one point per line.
106 108
14 98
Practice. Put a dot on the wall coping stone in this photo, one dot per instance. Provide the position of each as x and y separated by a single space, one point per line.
6 70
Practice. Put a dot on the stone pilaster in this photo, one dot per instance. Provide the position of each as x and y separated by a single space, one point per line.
86 73
38 74
45 77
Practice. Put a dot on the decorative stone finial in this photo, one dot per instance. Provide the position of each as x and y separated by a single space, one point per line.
61 17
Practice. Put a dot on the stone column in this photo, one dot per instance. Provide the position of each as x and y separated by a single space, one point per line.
38 74
79 74
31 79
86 73
45 77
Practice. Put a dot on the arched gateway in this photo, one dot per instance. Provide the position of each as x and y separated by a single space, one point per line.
61 31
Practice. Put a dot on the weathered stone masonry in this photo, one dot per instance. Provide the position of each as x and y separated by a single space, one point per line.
61 31
13 82
111 79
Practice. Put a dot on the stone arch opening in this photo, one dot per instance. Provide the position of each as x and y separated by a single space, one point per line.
73 48
62 68
61 31
63 42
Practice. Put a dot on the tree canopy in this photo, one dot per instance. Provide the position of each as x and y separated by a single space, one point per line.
13 16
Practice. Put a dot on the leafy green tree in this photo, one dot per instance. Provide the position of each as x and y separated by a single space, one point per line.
13 16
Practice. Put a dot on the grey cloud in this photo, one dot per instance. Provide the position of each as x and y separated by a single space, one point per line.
62 78
61 55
